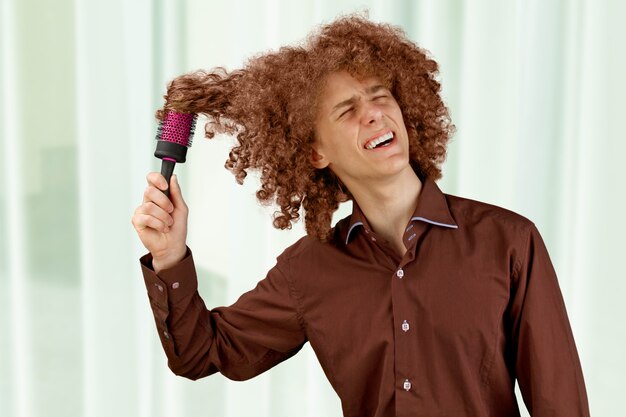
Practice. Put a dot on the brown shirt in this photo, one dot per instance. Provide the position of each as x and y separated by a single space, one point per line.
442 331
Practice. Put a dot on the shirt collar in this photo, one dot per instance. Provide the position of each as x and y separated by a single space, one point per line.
432 207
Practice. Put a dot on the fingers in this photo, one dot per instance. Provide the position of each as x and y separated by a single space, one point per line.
156 179
159 216
156 195
142 221
151 215
157 212
176 193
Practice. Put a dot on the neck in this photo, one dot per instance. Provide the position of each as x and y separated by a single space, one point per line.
388 205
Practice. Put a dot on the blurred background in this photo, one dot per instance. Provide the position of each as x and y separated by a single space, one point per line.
535 88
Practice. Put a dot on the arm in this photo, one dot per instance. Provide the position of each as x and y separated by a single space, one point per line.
543 351
260 330
257 332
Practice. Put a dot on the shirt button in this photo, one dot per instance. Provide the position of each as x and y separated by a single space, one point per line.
407 385
167 336
400 273
175 285
405 326
160 287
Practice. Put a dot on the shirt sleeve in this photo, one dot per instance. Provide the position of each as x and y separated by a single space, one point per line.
261 329
544 353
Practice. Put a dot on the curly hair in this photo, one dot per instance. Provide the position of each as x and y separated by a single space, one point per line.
269 105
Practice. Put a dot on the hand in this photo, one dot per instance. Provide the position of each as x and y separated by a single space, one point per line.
161 223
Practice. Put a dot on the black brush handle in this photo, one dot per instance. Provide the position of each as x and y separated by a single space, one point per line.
167 168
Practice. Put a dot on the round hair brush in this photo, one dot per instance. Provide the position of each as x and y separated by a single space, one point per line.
174 136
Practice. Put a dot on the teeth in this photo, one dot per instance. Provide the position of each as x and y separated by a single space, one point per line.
372 144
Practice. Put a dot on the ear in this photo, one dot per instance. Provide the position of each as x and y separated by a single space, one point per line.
317 159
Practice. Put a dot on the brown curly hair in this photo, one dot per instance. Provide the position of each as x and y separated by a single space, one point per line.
270 105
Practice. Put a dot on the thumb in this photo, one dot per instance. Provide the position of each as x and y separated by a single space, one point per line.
175 192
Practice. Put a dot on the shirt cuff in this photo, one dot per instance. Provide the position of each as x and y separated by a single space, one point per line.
172 284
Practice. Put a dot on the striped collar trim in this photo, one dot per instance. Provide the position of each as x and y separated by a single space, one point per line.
432 207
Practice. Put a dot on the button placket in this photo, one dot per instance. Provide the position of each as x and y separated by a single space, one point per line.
402 310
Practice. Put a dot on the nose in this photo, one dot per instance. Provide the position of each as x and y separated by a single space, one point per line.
372 114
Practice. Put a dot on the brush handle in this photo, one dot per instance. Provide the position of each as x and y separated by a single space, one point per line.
167 168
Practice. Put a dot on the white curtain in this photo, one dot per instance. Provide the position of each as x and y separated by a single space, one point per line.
535 89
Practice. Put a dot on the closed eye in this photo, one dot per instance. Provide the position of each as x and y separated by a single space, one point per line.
346 112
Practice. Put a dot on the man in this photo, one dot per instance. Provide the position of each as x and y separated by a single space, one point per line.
419 302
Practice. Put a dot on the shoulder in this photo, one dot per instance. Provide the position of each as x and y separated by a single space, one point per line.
471 210
473 214
312 249
495 227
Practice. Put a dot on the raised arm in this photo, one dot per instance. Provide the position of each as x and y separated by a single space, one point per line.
260 330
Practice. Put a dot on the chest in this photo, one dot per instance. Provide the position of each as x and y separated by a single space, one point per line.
438 298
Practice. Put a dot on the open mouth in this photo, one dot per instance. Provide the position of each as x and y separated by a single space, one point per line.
382 141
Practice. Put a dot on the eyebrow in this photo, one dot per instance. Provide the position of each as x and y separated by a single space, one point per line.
369 90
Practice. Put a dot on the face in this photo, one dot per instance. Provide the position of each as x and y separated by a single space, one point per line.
359 131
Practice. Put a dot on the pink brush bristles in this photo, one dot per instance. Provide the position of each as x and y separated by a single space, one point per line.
177 128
